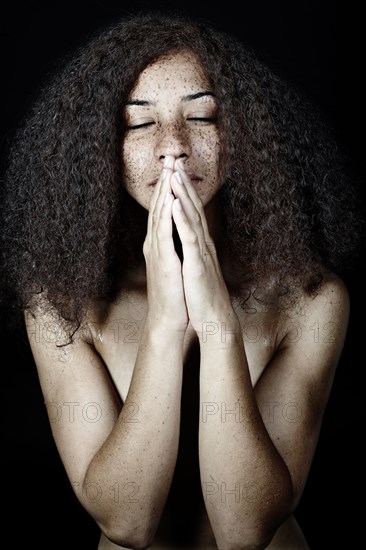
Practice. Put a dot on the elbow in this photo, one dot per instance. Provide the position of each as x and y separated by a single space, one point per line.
127 531
132 542
254 541
250 537
259 542
139 539
257 532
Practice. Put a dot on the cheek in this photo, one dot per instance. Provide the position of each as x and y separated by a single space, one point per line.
135 159
207 146
209 152
207 149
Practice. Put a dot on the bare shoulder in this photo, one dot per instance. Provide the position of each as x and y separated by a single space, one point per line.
45 325
319 318
332 293
61 350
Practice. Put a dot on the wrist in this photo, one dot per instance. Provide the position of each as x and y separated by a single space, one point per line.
220 329
162 328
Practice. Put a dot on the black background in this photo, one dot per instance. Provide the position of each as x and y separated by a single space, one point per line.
318 46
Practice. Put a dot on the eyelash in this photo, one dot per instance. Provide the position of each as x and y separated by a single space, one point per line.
203 119
140 125
199 119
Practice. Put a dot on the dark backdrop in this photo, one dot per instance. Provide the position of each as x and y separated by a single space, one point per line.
318 46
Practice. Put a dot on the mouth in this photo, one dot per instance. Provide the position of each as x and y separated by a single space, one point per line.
193 177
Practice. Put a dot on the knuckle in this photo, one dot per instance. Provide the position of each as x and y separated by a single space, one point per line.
146 248
160 234
192 238
196 218
199 205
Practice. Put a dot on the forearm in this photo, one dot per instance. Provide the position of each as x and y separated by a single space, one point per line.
139 456
246 484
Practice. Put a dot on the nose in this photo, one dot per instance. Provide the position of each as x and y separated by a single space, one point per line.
172 139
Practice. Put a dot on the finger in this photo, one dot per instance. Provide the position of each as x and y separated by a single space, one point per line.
164 230
164 189
156 190
191 242
154 199
161 191
165 185
190 210
179 168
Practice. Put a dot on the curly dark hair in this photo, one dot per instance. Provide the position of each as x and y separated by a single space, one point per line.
288 203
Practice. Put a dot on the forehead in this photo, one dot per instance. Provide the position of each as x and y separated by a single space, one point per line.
180 71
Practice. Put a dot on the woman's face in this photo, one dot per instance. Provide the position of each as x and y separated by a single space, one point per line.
171 111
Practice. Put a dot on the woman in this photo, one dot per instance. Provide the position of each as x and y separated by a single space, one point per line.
176 223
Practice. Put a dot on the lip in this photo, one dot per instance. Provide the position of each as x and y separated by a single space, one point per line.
193 177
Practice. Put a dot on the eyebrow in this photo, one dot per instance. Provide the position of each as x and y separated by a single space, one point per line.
189 97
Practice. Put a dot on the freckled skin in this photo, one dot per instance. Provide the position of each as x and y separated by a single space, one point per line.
170 303
171 125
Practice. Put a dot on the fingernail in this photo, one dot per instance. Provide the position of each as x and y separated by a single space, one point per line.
180 164
166 198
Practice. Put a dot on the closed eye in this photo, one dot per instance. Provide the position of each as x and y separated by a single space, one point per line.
202 119
142 125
